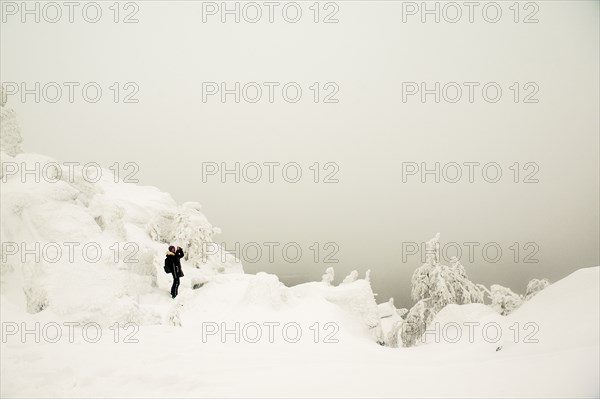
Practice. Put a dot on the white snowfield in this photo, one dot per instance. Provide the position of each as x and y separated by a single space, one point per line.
73 327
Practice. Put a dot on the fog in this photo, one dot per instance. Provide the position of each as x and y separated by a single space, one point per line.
370 133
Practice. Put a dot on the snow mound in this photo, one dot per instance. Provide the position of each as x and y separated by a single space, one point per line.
355 297
567 306
260 298
77 243
544 323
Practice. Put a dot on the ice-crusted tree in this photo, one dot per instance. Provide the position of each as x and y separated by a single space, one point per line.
417 319
443 284
504 300
434 286
188 233
535 286
188 228
10 133
393 339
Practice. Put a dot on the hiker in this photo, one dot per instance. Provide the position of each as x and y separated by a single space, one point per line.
173 263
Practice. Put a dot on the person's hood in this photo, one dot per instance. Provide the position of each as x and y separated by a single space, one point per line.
169 253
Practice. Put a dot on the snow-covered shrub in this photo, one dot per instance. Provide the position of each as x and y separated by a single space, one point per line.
504 300
535 286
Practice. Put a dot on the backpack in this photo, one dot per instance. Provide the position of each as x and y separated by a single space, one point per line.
168 266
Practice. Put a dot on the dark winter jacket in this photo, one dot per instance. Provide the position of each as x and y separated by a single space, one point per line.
173 260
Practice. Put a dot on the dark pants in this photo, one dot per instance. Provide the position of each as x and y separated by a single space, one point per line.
174 287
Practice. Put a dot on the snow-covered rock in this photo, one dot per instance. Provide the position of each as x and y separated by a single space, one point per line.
355 297
79 247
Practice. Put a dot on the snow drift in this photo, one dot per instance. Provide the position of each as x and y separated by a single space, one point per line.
563 316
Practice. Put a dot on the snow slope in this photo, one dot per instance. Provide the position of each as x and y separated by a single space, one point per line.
563 316
184 361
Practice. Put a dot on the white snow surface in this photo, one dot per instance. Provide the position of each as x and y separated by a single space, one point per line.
178 353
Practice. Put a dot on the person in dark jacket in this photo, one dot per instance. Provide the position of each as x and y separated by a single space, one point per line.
174 254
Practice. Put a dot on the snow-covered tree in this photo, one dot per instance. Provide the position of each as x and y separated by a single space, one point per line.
434 286
329 275
443 284
393 338
466 291
535 286
187 228
417 319
504 300
10 133
188 233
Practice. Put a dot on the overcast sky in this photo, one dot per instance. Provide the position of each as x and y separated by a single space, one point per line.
365 140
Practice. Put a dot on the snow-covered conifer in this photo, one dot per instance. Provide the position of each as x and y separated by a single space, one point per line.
435 285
